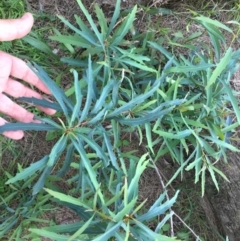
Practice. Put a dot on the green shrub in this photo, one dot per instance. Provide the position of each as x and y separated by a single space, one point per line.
126 82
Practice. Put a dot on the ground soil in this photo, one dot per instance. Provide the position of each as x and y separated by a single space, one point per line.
37 147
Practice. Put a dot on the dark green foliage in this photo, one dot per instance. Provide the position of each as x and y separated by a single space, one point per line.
180 104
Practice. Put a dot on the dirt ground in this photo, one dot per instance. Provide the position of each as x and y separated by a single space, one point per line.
150 185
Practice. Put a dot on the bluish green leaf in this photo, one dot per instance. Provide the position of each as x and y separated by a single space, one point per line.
75 40
137 100
81 229
186 69
177 135
26 127
222 143
124 28
102 99
29 171
111 153
232 98
100 153
41 102
91 22
79 97
90 93
213 22
115 17
58 93
39 44
67 198
81 33
145 119
86 163
220 67
158 210
108 233
67 161
101 20
41 181
57 150
50 235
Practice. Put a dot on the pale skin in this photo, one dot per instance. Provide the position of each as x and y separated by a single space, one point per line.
12 68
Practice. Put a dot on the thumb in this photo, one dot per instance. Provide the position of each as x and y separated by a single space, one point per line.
11 29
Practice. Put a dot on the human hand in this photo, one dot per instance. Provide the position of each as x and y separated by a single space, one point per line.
12 68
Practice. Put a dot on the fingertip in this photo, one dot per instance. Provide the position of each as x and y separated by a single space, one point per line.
15 135
11 29
28 16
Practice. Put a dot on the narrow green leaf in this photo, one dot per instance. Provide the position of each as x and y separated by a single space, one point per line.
75 40
220 173
151 116
232 98
50 235
181 168
213 176
91 22
158 210
137 100
126 210
115 17
57 150
108 233
110 149
135 64
147 232
78 95
123 29
186 69
81 33
94 227
129 53
86 163
220 67
90 93
41 181
26 127
216 44
148 129
101 20
203 180
164 51
41 102
102 99
66 198
39 44
193 164
55 90
29 171
81 230
222 143
133 186
67 161
99 151
213 22
177 135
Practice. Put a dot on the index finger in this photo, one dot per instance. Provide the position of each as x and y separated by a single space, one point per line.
18 68
11 29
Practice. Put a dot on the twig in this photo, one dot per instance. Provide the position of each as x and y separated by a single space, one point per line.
164 188
161 181
187 226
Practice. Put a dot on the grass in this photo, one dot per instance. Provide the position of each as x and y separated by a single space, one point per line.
15 8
